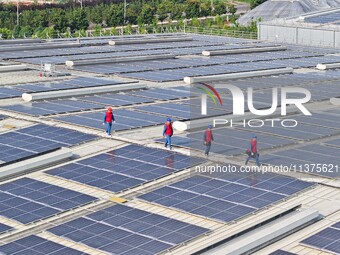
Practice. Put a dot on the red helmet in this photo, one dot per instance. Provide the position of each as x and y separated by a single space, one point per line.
109 109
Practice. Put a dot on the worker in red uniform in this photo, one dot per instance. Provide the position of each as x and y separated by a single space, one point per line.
108 119
252 151
207 139
167 133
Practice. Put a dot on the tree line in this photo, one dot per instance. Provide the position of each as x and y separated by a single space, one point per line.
69 17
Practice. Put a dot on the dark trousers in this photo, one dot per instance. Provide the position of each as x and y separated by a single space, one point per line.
256 157
207 148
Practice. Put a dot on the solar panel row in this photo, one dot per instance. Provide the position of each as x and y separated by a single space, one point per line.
125 230
27 200
326 240
226 197
37 139
35 245
124 168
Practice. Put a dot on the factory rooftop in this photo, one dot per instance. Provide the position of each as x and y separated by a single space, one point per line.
68 188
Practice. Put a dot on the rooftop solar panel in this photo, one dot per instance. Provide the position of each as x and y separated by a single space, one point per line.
36 245
126 230
312 159
325 240
27 200
124 168
36 139
225 197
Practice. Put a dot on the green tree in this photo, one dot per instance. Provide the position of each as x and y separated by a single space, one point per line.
163 9
255 3
220 8
146 15
57 20
232 9
192 9
78 20
5 33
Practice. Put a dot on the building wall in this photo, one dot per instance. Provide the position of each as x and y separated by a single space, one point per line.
299 35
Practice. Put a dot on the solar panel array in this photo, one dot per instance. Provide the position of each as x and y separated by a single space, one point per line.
124 168
151 65
36 139
179 74
35 245
125 230
27 200
100 101
326 240
226 197
313 159
75 83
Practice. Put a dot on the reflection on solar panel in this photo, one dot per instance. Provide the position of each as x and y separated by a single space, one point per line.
125 168
35 245
27 200
81 82
2 117
4 228
37 139
326 240
125 230
281 252
226 197
312 159
228 141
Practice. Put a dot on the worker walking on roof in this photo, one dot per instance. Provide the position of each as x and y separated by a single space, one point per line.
167 133
252 151
207 139
108 119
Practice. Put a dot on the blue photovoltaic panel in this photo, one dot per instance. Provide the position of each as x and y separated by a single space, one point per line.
35 245
226 197
124 168
326 240
4 228
27 200
37 139
312 159
125 230
282 252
